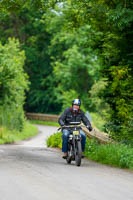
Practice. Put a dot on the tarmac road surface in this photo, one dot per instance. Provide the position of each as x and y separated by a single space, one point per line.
31 171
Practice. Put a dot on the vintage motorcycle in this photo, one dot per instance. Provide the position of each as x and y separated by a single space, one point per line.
74 143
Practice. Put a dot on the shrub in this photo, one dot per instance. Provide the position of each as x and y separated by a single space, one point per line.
118 155
55 140
13 83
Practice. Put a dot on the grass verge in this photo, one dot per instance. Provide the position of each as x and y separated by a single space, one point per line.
117 155
44 123
10 136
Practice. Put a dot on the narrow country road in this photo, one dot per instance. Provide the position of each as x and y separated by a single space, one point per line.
30 171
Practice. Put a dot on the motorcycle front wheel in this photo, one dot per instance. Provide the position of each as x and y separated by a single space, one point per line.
78 153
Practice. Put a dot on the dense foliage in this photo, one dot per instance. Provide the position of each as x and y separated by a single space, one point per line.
26 24
13 82
76 49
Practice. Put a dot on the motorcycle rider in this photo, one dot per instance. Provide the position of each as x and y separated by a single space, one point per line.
73 114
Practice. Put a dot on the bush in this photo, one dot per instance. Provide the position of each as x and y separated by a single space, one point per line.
119 132
55 140
118 155
12 117
13 83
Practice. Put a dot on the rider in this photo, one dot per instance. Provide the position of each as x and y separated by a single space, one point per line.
73 114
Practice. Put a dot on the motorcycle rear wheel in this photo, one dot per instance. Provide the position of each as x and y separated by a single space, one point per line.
69 158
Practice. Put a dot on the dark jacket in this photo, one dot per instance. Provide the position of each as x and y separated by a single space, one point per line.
69 116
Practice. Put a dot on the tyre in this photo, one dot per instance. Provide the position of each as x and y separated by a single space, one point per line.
78 153
69 158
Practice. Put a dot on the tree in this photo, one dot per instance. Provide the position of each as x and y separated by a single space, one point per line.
13 83
113 21
26 24
75 62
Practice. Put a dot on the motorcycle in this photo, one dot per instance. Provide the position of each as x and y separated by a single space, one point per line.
74 143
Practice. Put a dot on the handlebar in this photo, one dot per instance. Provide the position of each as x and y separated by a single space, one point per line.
71 126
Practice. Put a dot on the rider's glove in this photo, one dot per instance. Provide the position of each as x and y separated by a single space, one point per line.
89 128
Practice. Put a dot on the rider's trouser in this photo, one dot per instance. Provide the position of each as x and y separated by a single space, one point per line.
65 136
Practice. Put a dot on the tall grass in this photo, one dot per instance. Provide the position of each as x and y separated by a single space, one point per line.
12 117
118 155
10 136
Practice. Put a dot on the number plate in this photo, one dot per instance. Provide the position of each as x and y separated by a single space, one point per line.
76 132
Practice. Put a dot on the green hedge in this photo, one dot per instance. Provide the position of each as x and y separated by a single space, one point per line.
13 83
